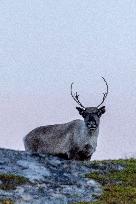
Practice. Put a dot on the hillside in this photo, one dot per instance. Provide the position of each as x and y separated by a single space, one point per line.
46 179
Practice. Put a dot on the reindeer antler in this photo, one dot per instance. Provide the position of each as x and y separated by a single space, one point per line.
104 94
76 96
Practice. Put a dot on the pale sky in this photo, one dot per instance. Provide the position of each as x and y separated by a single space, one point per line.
45 45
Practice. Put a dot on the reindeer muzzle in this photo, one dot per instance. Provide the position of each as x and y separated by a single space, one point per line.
91 125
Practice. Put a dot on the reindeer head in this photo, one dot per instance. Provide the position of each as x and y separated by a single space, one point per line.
91 115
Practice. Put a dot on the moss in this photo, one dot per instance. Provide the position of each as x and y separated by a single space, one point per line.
6 201
81 203
119 187
11 181
118 194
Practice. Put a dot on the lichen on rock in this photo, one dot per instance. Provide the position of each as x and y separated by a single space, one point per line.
47 179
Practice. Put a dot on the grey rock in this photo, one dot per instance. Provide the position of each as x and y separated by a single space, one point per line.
53 180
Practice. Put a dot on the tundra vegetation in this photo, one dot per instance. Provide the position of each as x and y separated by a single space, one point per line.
6 201
119 187
72 179
11 181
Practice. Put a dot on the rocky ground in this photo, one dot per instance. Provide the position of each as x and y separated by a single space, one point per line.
46 179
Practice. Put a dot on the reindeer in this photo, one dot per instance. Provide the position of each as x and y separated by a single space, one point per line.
76 140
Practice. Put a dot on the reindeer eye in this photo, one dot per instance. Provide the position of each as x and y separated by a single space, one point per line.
84 114
99 114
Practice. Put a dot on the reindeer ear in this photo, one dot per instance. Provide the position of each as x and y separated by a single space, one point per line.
81 111
101 111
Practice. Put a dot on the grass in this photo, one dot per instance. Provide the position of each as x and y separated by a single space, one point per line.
119 187
11 181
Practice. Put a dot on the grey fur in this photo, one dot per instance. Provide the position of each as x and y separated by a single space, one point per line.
73 140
